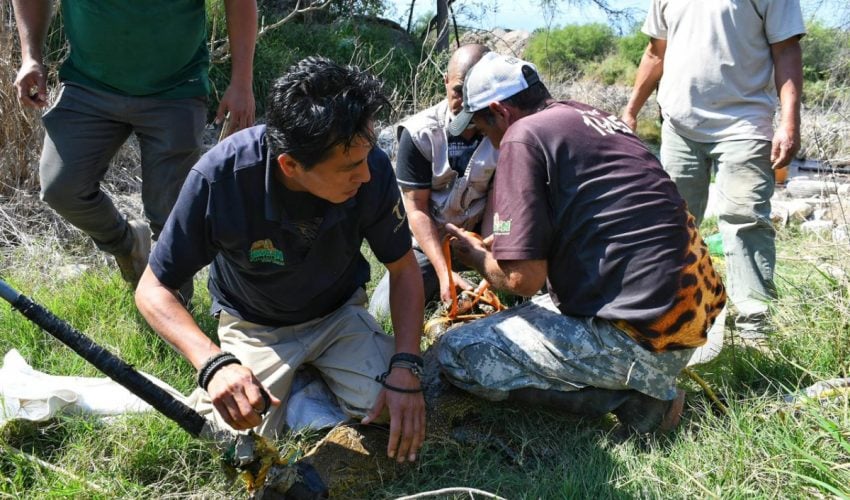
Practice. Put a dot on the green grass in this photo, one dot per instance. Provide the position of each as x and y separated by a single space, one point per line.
761 449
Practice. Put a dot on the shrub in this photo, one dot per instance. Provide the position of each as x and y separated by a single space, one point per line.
565 49
386 52
822 48
631 47
614 69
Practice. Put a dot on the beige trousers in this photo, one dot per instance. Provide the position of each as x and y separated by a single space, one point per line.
347 347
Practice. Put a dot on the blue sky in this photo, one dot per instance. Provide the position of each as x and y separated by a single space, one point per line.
517 14
527 15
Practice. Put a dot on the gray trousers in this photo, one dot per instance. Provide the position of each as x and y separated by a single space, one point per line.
534 345
86 127
745 184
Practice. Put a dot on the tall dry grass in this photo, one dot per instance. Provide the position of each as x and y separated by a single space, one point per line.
20 131
26 223
825 120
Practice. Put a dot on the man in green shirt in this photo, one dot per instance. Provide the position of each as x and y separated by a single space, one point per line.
138 68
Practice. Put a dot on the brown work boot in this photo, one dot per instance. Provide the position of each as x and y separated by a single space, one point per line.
589 402
643 414
133 264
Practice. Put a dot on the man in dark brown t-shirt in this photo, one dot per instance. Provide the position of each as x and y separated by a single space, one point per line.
581 206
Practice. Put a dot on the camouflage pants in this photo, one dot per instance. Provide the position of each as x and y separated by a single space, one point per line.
533 345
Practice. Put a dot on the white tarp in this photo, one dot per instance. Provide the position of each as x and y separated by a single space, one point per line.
28 394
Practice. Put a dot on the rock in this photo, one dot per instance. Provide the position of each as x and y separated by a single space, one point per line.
509 43
70 271
805 188
797 210
832 271
840 234
779 215
386 141
821 228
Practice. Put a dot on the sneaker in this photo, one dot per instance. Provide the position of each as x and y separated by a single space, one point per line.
133 264
643 414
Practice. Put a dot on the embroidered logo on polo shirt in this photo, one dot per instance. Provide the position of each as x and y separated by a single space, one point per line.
500 226
398 215
264 251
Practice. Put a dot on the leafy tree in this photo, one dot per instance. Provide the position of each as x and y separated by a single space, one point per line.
617 14
567 49
825 51
631 46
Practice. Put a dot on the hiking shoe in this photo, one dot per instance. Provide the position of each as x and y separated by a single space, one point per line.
643 414
133 264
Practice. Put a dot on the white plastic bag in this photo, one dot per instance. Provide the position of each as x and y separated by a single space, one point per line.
29 394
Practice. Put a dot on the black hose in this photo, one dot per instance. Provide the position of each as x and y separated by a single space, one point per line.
111 365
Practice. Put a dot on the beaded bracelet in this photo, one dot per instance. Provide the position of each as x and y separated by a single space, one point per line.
213 365
382 378
405 360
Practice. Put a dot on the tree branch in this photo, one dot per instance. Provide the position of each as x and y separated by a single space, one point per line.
221 51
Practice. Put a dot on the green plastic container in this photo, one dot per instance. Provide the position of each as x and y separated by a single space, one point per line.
715 245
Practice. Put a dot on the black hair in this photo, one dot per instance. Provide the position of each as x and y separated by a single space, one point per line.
319 104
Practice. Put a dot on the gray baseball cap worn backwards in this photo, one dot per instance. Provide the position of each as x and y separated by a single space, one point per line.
494 78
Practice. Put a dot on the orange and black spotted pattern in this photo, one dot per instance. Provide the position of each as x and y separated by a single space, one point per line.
700 299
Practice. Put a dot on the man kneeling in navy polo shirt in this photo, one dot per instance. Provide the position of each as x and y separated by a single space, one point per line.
279 211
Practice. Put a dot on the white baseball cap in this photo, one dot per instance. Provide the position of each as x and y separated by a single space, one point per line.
493 78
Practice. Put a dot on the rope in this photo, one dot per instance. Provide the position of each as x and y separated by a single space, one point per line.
445 491
457 308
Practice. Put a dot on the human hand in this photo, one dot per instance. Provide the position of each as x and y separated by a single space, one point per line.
785 145
237 104
468 247
446 289
237 395
31 84
630 119
407 415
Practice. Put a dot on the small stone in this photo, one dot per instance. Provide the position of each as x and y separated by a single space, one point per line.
70 271
822 228
840 235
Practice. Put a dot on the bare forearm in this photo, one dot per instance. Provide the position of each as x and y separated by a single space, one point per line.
242 34
33 19
517 277
172 321
428 237
649 73
407 303
500 277
788 75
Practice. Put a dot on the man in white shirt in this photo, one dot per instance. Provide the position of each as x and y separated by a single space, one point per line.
719 67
